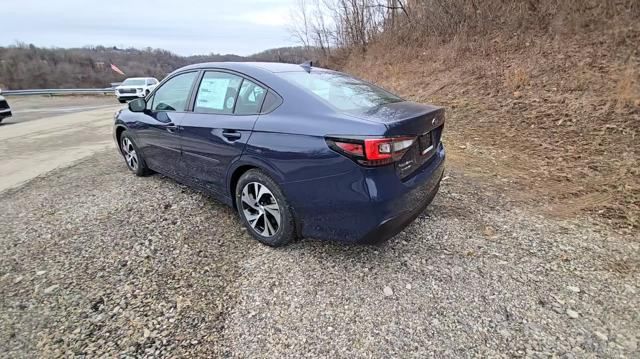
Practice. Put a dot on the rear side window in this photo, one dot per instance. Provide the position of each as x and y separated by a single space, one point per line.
250 98
217 93
341 91
173 95
271 102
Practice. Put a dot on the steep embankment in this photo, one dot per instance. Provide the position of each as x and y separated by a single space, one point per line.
553 120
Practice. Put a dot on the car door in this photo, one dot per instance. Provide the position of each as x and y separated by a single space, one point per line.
225 109
157 129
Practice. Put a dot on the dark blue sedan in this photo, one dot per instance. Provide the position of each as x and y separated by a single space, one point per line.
298 151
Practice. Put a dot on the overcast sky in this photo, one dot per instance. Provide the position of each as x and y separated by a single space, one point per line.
186 27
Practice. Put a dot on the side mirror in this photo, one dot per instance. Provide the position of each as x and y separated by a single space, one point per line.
137 105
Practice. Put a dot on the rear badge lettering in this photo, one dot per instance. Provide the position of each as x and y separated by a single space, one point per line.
404 165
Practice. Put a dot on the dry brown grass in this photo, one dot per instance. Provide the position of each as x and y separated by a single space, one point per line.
568 145
628 88
516 79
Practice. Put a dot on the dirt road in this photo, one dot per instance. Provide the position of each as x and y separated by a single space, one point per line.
36 146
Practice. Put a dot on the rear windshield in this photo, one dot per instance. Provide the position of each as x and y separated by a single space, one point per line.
341 91
133 82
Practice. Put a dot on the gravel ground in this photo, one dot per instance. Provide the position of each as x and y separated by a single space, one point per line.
97 261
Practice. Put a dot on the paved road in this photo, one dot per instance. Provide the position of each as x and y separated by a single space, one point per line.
29 108
46 137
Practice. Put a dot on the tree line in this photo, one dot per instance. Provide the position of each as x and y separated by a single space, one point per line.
25 66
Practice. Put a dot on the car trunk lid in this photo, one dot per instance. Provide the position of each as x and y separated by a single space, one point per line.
411 119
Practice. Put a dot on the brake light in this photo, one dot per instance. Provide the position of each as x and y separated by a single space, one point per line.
372 151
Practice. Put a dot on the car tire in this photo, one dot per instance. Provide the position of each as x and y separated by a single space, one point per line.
121 100
132 156
270 205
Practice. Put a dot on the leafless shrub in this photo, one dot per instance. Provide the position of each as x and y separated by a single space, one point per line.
516 79
355 24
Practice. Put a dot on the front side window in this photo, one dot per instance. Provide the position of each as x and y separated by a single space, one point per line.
174 94
341 91
217 93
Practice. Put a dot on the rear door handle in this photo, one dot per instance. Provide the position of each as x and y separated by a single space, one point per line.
231 135
171 127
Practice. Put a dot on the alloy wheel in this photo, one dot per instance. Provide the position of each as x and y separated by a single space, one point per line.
130 154
260 209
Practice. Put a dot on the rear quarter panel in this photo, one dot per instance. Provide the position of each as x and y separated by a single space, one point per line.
320 185
325 189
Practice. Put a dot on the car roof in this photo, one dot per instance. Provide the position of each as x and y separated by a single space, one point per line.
267 73
274 67
139 78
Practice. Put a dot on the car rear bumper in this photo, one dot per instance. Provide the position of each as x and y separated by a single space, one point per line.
365 205
394 225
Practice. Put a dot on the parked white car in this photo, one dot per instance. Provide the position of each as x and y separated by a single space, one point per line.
135 87
5 110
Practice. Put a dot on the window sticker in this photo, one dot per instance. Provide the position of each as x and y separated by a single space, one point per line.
212 93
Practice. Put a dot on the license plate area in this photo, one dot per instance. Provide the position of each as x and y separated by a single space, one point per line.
425 143
421 153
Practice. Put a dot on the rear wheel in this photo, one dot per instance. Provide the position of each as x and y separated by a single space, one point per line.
132 156
264 210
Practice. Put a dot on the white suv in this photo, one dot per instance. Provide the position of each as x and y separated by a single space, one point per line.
135 87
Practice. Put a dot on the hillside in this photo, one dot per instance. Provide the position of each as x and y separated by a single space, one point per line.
548 115
27 66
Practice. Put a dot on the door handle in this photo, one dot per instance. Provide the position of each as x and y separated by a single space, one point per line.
170 127
231 135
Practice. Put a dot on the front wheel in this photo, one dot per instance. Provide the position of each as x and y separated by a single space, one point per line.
121 100
132 156
264 210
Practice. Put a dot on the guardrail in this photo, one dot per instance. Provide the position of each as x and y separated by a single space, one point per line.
108 90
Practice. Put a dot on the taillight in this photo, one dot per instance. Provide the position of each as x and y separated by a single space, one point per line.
353 149
372 151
